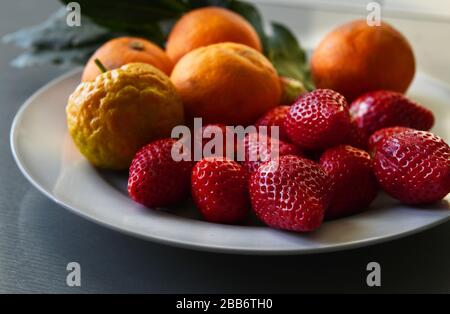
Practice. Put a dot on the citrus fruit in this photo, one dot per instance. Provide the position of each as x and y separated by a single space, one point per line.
206 26
226 83
356 58
112 117
123 50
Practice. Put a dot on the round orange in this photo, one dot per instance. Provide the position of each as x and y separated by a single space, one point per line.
356 58
226 83
206 26
123 50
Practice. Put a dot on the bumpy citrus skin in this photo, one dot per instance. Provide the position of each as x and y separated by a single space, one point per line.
110 118
226 83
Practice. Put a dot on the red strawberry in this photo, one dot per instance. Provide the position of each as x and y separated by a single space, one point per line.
208 133
380 135
353 184
275 117
219 189
318 120
258 149
381 109
413 166
357 137
290 193
156 179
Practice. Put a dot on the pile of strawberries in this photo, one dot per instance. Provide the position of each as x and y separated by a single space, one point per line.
333 158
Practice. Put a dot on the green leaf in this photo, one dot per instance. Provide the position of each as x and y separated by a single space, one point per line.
136 12
55 34
136 18
53 41
64 57
287 56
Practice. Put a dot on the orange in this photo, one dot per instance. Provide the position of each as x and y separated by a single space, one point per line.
226 83
356 58
206 26
113 116
119 51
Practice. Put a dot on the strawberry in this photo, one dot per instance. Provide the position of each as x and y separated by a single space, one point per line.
353 184
275 117
380 135
381 109
290 193
318 120
357 137
155 178
413 166
219 189
258 149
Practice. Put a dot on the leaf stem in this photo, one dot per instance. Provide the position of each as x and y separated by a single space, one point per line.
100 65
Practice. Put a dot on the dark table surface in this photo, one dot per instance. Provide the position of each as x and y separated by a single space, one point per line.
38 238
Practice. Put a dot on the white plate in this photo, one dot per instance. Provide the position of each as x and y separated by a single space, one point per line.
46 155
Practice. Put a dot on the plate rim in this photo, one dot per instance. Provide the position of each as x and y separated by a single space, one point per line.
191 244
